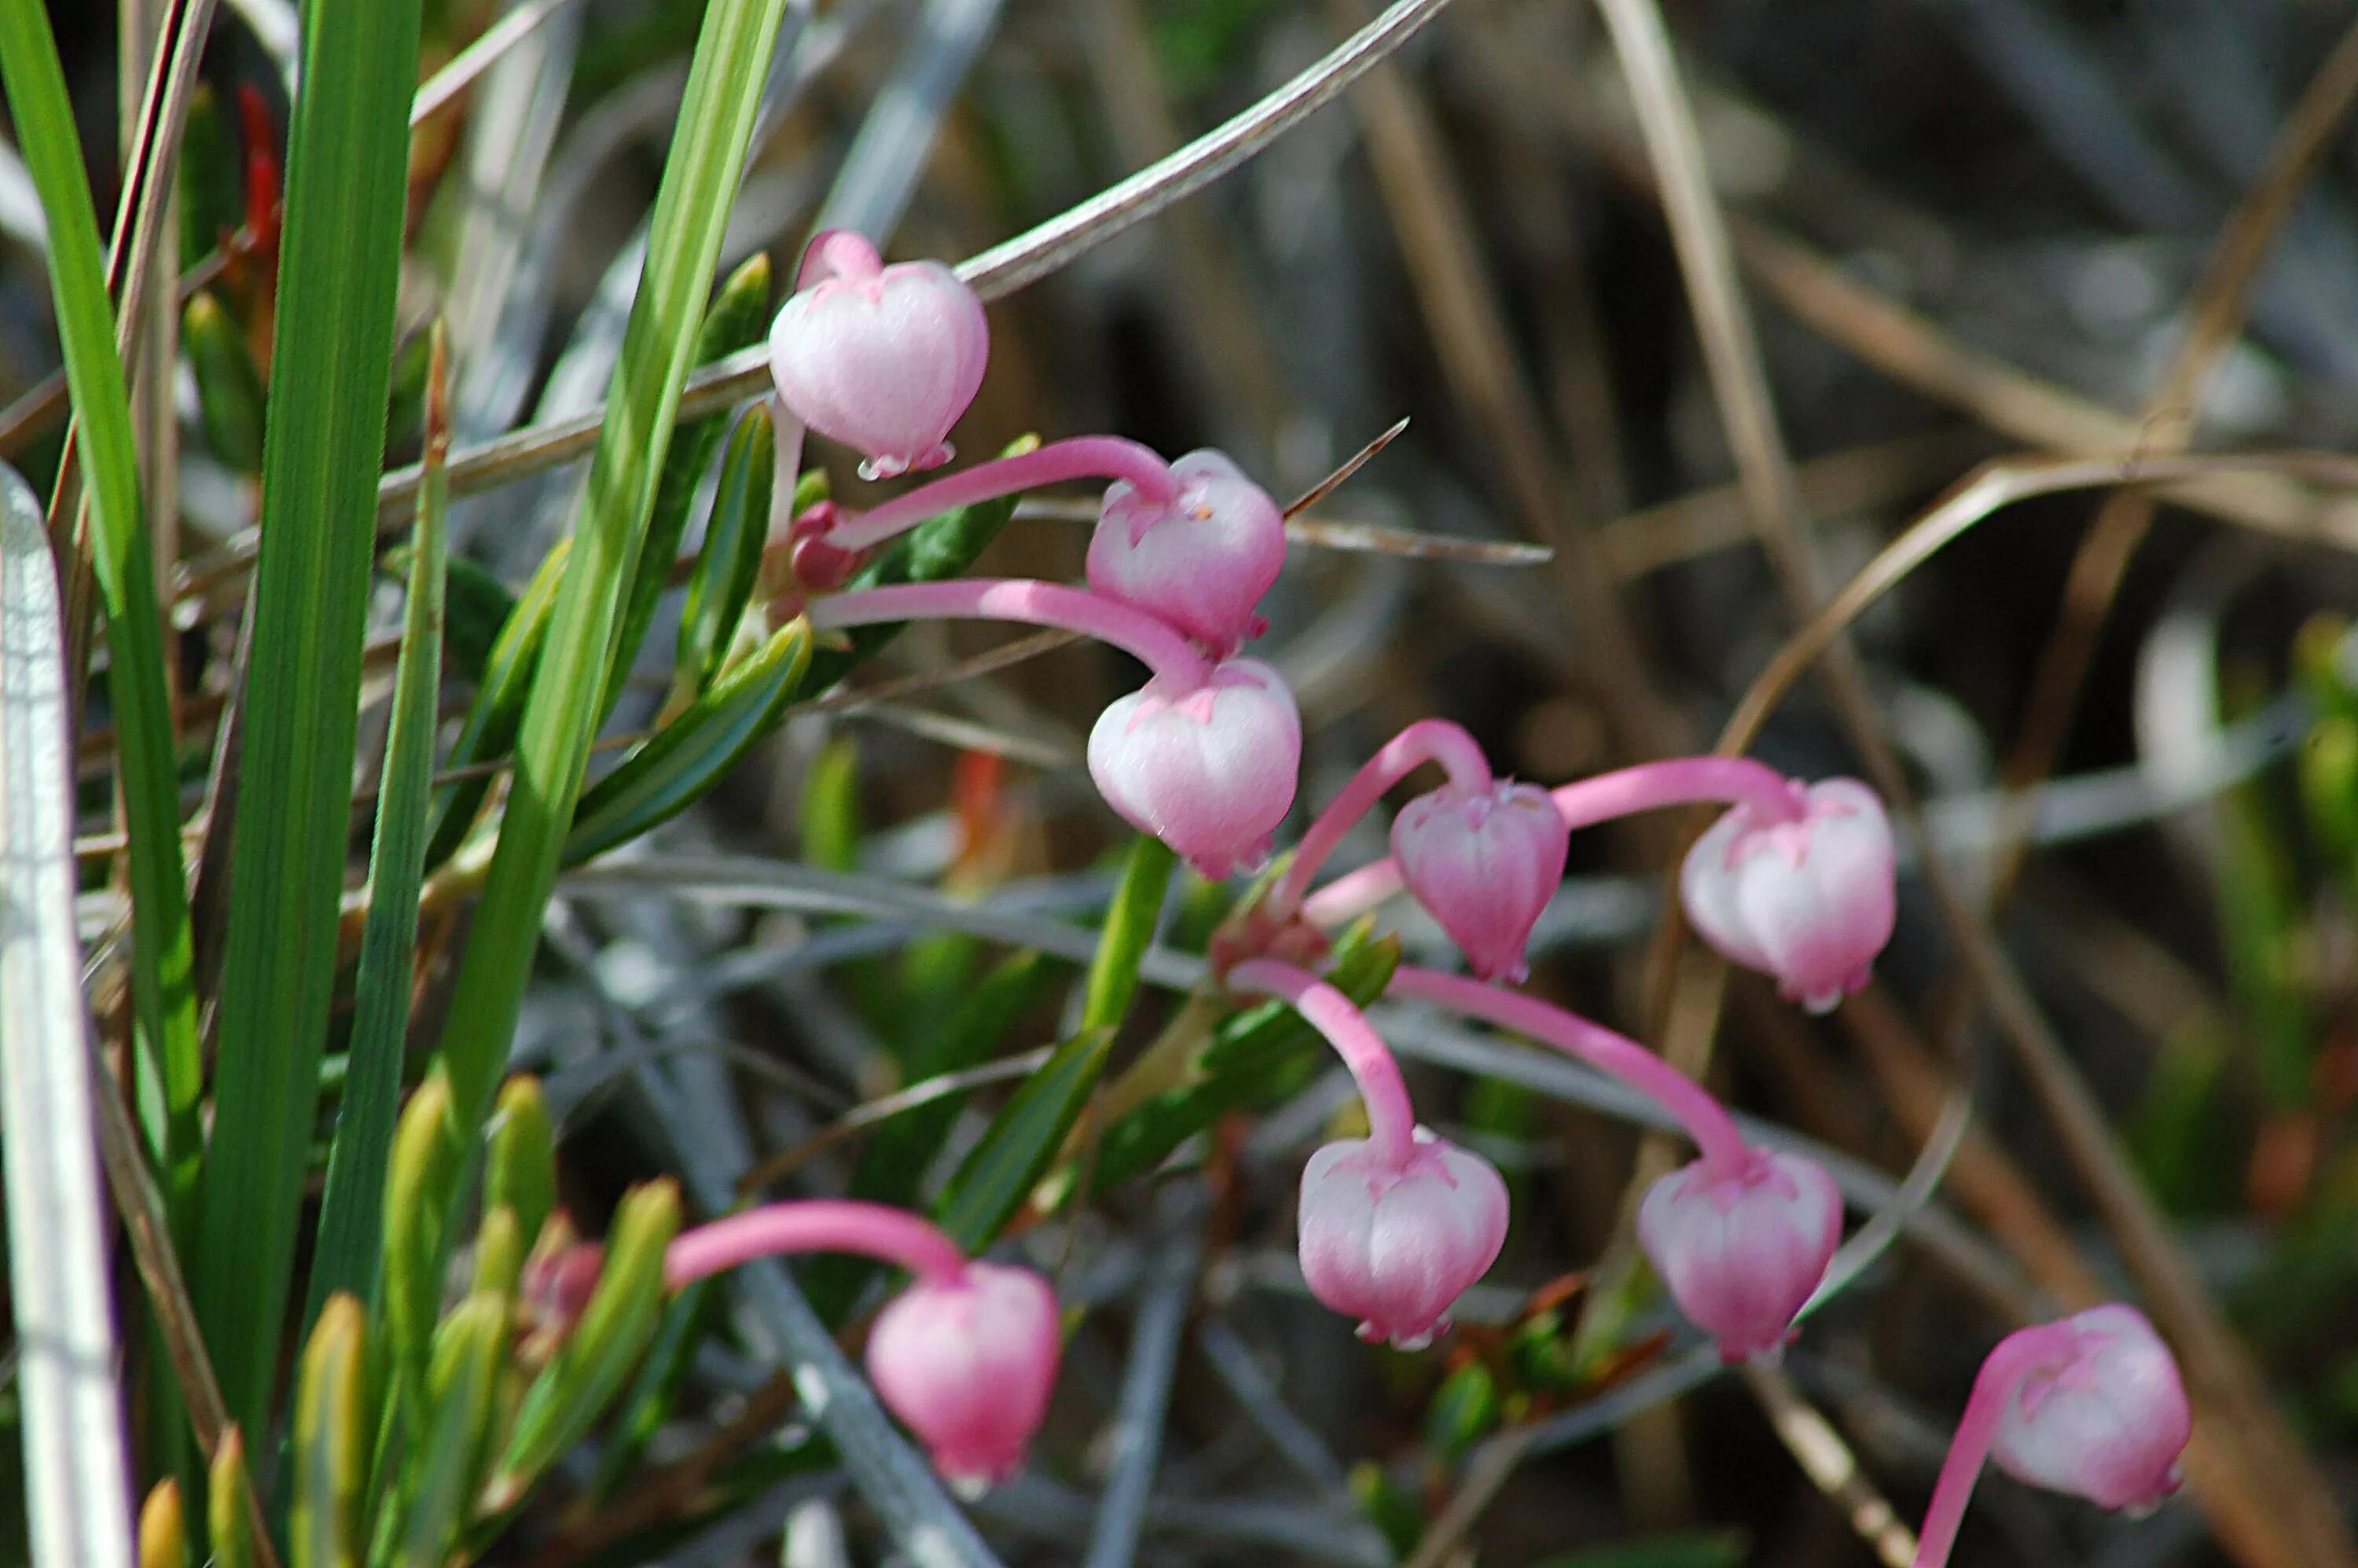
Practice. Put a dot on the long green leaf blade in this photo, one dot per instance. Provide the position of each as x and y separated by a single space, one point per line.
170 1070
353 1210
732 57
347 168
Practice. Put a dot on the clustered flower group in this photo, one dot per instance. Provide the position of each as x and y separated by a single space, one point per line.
1794 881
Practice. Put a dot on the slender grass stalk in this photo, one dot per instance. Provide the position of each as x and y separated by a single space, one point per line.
561 719
171 1071
351 1212
346 167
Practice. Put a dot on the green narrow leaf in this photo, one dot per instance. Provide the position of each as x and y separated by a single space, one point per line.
211 183
352 1212
648 1404
323 1519
422 1177
230 1505
170 1070
1022 1142
475 606
447 1467
521 1175
1129 931
901 1151
739 315
490 727
830 808
1259 1056
681 762
723 583
229 388
561 720
596 1359
347 168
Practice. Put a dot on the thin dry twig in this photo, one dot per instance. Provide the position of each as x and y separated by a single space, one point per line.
1831 1465
2215 319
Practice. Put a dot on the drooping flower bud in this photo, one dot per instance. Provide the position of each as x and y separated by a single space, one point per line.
1202 561
884 359
1807 900
1742 1249
2103 1417
1396 1245
1484 864
1210 772
968 1365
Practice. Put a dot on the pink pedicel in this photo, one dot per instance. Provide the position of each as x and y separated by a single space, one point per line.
1394 1226
1743 1246
965 1356
1209 768
1201 560
1807 900
883 359
968 1365
1483 863
2092 1406
1395 1242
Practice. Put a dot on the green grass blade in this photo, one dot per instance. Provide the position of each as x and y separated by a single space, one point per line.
347 166
171 1071
1129 931
353 1211
732 56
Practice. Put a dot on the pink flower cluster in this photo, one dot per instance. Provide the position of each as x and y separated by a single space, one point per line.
1794 881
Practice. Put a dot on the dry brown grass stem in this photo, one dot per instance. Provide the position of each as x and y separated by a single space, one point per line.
2272 1498
2215 319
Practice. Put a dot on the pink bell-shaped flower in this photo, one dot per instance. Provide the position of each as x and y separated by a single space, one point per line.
1484 864
1807 900
2103 1417
968 1365
1210 772
884 359
1395 1246
1202 561
1742 1249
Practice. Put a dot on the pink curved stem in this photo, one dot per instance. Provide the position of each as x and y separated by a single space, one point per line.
1426 740
846 253
1625 791
819 1224
1707 1121
1391 1120
1679 781
1165 652
1082 457
1993 1388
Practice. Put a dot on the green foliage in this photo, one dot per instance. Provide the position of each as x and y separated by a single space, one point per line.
325 1511
171 1071
230 1505
230 395
1129 931
561 714
596 1359
1257 1056
1688 1549
1022 1142
490 726
721 584
521 1175
429 1157
340 261
351 1211
738 317
680 763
